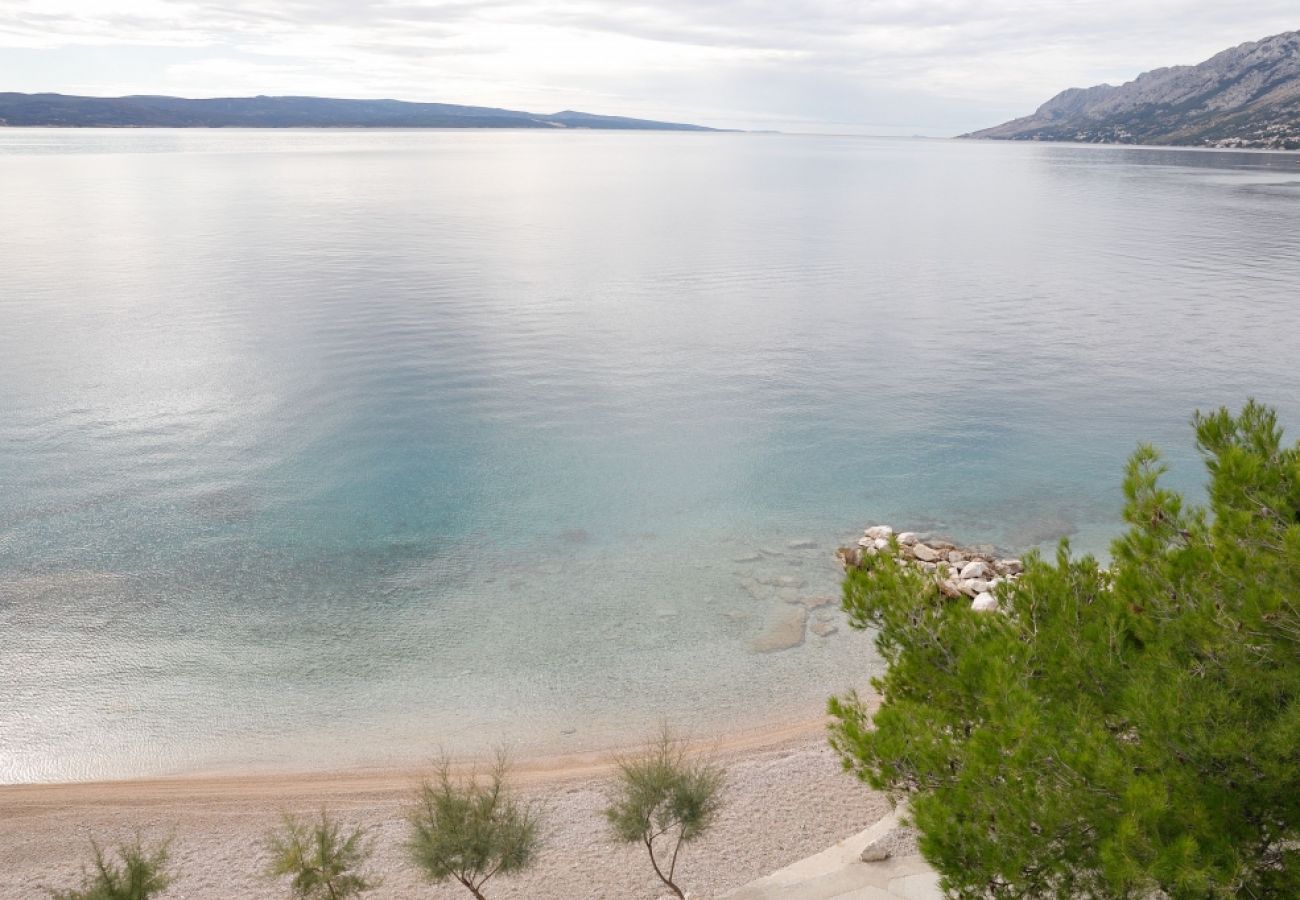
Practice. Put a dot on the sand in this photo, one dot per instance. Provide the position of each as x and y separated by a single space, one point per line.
787 798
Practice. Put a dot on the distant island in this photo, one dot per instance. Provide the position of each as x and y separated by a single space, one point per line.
143 111
1248 96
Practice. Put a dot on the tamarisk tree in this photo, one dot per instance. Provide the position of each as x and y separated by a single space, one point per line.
140 873
1128 732
662 793
470 830
322 861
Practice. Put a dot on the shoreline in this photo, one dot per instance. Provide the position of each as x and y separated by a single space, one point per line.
787 797
528 770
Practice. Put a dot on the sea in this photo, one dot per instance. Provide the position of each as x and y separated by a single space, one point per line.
334 450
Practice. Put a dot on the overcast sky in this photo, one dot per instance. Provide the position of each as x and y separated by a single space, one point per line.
933 67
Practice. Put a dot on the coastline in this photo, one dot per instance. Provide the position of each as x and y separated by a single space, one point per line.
787 797
528 771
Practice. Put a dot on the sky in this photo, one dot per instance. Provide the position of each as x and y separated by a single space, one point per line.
890 67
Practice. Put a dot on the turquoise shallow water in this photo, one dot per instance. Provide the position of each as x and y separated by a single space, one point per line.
338 448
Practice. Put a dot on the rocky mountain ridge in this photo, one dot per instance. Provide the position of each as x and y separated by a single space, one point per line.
1246 96
142 111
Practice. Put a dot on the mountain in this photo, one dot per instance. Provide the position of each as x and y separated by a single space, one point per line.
62 110
1248 96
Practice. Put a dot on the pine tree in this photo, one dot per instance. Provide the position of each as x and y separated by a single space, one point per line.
1115 732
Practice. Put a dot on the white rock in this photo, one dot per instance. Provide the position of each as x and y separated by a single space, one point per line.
967 587
908 538
878 531
984 602
881 544
1014 566
866 542
924 553
980 586
877 851
974 569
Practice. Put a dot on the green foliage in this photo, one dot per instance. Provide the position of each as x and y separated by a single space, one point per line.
471 830
664 794
323 862
141 874
1115 733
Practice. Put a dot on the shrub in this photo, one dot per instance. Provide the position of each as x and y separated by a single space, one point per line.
1116 733
322 861
469 830
662 793
141 874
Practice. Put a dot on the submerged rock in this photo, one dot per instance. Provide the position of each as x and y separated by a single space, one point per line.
818 602
802 545
784 632
824 629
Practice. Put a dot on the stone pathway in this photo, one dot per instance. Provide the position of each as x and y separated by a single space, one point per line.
838 874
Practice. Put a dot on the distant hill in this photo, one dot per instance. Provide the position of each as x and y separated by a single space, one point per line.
1248 96
62 110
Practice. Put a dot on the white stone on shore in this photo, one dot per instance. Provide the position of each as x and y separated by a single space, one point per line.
924 553
958 573
876 851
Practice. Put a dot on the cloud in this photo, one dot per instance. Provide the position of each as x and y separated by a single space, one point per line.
931 65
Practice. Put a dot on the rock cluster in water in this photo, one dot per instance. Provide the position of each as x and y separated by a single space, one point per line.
972 573
787 609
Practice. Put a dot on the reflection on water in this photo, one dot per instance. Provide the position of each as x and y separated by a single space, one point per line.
332 448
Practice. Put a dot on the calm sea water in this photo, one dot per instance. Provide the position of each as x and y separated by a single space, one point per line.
338 448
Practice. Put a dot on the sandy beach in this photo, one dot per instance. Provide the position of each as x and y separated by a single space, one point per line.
787 797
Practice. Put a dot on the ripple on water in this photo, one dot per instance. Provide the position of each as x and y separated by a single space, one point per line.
451 439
